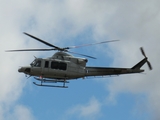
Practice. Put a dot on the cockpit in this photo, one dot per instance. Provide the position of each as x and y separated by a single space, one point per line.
36 63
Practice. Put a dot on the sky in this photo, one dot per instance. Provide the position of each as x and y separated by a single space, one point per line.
75 22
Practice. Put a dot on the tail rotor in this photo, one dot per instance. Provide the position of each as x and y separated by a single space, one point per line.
143 53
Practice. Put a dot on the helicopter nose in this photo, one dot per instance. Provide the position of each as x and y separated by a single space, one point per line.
24 69
21 69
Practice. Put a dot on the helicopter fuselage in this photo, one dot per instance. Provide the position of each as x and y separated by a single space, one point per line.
59 66
62 66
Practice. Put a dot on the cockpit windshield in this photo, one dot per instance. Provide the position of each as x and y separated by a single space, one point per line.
36 63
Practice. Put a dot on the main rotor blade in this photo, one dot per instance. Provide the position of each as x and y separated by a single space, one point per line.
30 50
81 54
42 41
84 45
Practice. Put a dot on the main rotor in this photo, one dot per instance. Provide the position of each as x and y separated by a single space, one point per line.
54 47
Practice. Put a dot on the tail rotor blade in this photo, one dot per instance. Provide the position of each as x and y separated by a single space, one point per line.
149 65
142 51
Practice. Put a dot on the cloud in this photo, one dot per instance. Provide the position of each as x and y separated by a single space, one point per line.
20 112
133 22
138 28
13 19
91 110
136 24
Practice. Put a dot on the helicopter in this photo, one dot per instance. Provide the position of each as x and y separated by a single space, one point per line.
62 66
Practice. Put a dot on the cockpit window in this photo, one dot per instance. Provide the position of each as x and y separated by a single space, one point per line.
33 63
36 63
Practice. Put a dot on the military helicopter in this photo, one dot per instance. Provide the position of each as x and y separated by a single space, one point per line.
62 66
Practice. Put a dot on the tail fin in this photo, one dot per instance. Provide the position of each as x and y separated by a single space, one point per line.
140 64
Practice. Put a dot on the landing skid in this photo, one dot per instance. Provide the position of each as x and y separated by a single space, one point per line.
50 85
50 81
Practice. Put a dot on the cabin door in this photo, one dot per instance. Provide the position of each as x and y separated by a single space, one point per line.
46 68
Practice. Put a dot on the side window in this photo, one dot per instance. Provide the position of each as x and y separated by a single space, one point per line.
58 65
46 64
62 66
54 65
